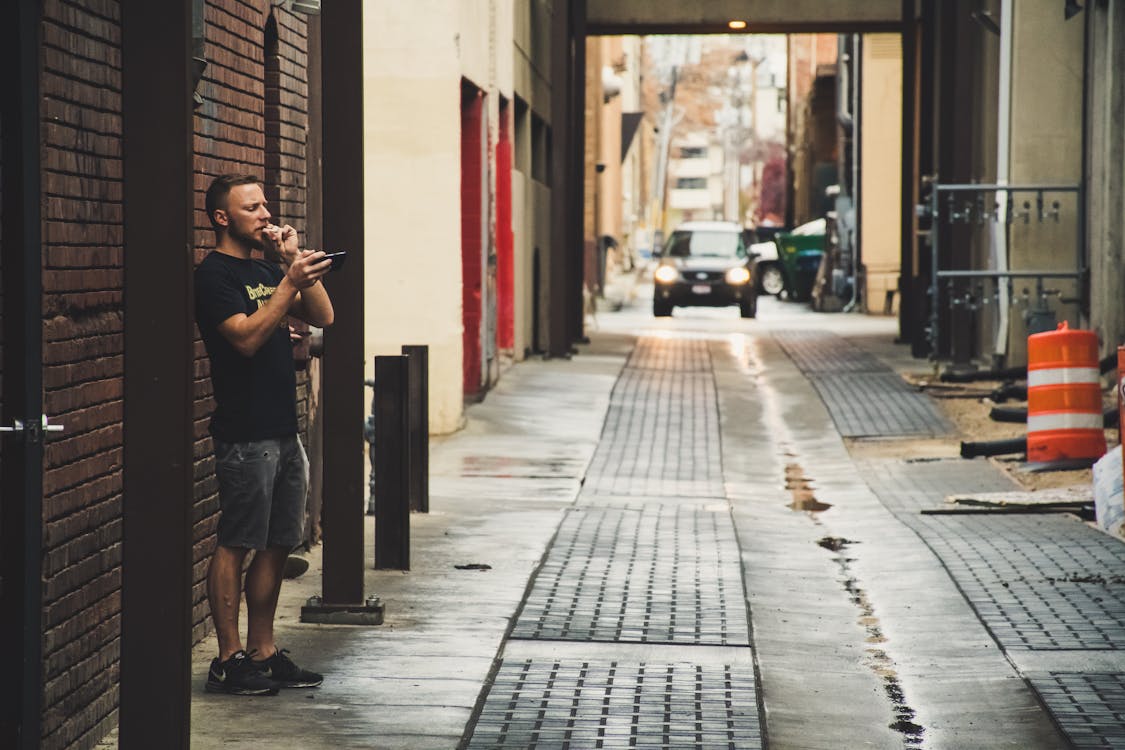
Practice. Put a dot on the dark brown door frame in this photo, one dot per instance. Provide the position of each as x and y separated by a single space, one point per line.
158 196
907 304
566 48
21 504
957 52
576 312
344 399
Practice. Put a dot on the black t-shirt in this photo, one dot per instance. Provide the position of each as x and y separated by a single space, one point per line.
255 396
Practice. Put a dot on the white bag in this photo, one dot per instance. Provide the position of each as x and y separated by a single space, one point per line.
1109 494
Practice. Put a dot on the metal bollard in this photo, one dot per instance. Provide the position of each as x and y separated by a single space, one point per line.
418 368
392 463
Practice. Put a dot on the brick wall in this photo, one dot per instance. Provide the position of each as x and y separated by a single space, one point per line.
83 313
253 119
82 367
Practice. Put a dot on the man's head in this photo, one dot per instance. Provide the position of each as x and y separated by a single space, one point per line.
236 207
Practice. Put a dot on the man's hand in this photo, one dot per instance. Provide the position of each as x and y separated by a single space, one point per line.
284 247
303 268
307 267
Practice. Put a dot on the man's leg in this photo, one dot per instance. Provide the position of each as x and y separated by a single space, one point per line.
224 591
286 530
245 474
263 584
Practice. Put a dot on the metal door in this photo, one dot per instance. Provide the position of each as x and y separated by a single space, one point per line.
21 400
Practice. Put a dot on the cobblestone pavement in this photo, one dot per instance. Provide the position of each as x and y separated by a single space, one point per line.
648 554
648 564
601 524
864 396
1040 583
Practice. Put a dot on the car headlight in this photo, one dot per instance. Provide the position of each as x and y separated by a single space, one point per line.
666 274
738 275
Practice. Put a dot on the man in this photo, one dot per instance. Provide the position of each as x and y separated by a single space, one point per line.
242 304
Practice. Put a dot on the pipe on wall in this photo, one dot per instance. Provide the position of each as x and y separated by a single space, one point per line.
998 247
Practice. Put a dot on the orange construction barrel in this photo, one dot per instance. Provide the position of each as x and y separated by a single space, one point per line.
1064 396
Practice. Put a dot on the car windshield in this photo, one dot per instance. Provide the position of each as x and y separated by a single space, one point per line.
683 244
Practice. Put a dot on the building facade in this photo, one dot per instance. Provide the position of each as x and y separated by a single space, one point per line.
458 172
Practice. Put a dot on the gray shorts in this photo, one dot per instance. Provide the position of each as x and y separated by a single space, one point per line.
262 489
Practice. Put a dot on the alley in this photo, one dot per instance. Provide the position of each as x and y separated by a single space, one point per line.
671 541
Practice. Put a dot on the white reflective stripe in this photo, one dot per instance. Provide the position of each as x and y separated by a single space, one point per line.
1062 376
1064 421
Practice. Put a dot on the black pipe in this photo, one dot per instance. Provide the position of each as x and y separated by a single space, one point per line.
1108 364
1017 414
1010 373
1015 391
993 447
1014 414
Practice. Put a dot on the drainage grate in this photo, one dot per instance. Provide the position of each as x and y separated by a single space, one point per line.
583 705
654 574
818 352
864 396
875 404
1042 582
661 437
1090 708
1038 582
670 355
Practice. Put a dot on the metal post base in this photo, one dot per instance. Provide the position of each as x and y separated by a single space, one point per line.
369 613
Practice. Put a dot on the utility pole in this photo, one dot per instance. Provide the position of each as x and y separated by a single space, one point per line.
659 188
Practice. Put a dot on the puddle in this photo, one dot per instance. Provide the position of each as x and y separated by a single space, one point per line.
878 661
835 544
801 488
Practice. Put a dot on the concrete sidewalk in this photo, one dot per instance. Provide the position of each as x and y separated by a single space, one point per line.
670 544
498 489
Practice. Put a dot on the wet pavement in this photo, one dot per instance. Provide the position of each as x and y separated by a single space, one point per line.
705 532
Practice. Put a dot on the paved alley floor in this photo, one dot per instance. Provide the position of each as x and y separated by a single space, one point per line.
706 532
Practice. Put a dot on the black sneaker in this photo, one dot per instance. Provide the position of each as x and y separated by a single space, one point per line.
281 669
238 675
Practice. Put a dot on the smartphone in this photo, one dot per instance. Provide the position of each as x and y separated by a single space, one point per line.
337 260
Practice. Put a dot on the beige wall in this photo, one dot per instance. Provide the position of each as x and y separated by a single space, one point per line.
412 191
530 198
1046 143
415 56
609 149
881 169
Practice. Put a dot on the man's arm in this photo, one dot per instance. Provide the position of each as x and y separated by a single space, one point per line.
312 304
247 333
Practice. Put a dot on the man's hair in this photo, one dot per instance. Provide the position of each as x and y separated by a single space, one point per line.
220 189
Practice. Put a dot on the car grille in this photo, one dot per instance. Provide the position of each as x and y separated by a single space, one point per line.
702 276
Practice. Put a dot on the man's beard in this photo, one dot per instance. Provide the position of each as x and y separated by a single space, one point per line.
247 239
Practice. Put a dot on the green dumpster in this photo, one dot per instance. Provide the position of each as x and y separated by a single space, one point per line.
799 252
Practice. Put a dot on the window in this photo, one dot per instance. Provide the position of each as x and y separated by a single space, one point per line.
693 152
705 245
522 146
691 183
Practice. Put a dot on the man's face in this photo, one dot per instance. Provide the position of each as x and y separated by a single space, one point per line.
246 216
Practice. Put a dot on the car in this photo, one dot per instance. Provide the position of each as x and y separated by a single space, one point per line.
704 263
790 266
765 268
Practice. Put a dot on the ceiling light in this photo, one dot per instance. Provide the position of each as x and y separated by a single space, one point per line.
737 25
